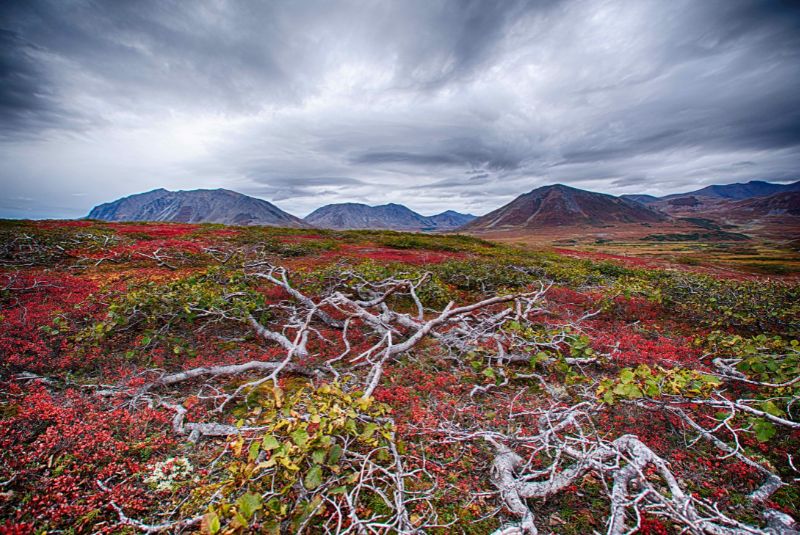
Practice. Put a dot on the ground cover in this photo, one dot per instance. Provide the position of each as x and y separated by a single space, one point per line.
185 378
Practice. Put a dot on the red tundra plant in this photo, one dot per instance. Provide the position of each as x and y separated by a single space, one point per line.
403 256
56 224
165 230
150 246
567 300
637 309
54 448
630 348
418 257
39 309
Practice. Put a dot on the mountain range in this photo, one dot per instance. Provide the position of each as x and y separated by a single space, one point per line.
548 207
739 191
388 216
232 208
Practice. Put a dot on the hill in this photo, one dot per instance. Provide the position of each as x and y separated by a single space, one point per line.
196 206
780 204
740 191
644 199
451 219
559 205
388 216
776 205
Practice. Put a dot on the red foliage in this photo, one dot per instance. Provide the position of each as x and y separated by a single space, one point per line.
59 446
407 256
57 224
161 230
652 526
29 338
630 348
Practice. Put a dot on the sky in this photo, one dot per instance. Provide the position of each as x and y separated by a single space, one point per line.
435 104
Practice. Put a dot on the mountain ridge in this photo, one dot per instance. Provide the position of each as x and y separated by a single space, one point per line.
560 205
195 206
391 216
736 191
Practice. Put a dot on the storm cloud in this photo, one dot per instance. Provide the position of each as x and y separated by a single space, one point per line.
431 103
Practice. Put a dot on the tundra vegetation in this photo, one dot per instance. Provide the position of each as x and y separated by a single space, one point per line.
202 378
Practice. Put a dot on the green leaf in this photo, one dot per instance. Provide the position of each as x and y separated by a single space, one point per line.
274 505
248 504
212 523
253 451
770 408
335 454
488 372
313 478
629 390
626 375
764 430
318 456
299 437
270 443
369 430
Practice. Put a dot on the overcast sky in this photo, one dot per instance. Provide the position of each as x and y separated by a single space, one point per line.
434 104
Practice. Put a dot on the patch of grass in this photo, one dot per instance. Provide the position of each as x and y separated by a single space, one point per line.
698 236
701 222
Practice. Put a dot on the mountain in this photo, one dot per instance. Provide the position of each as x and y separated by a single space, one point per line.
754 188
559 205
738 191
388 216
362 216
644 199
451 219
780 204
716 198
776 217
196 206
777 207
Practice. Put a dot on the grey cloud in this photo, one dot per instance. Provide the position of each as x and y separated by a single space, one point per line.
371 158
438 104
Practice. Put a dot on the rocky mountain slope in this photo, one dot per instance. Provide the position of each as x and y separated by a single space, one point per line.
559 205
777 206
388 216
451 219
739 191
644 199
196 206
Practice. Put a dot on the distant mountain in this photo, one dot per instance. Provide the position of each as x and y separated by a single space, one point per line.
451 219
559 205
773 212
644 199
780 204
196 206
736 192
388 216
